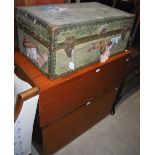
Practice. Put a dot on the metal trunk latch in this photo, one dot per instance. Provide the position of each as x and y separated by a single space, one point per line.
103 31
70 43
103 47
124 31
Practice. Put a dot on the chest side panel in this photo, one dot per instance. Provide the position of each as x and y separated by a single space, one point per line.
89 50
34 50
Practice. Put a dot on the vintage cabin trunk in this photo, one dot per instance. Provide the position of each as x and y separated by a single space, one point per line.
62 38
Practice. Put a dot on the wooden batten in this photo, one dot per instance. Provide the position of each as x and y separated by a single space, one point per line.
23 97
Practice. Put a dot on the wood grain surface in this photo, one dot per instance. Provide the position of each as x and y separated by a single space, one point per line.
78 100
36 2
60 96
62 131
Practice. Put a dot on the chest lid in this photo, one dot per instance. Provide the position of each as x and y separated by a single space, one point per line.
73 13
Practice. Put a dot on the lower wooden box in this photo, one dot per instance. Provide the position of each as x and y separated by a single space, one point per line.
92 92
62 131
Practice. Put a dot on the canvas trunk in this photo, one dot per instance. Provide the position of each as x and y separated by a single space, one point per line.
62 38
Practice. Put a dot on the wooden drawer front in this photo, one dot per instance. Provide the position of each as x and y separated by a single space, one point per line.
109 74
59 100
65 129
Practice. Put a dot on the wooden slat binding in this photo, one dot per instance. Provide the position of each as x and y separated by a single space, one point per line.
23 97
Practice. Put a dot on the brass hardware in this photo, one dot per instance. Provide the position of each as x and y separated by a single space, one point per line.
89 38
98 70
109 43
103 46
88 103
103 31
102 51
124 31
69 46
123 35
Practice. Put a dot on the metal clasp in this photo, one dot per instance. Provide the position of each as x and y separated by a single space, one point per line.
103 47
124 31
88 103
103 31
98 70
70 43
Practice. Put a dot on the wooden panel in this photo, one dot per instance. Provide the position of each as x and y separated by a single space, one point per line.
23 96
44 83
24 2
35 2
65 129
38 2
73 93
65 99
58 97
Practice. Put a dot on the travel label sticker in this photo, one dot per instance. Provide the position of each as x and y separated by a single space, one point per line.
71 63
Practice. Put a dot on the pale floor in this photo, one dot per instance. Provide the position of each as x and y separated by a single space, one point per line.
114 135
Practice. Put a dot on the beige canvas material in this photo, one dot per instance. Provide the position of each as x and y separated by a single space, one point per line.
70 36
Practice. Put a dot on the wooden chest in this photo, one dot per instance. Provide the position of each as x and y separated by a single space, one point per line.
62 38
80 99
